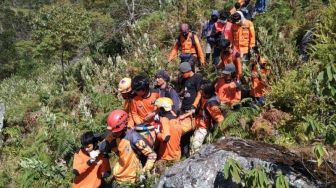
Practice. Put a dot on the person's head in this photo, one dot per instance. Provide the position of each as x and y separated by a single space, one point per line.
223 17
124 87
214 15
117 122
236 18
88 141
237 6
184 29
162 78
185 69
140 85
207 89
228 72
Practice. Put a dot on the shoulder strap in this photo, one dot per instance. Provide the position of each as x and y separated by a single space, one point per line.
179 41
193 38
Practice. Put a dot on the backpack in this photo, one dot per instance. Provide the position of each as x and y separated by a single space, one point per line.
133 136
207 29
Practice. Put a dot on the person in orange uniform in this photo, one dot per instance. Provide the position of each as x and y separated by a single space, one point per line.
228 56
208 116
222 28
259 79
243 36
129 146
142 108
89 165
169 148
227 88
125 89
189 44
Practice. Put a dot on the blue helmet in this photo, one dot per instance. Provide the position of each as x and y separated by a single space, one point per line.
215 13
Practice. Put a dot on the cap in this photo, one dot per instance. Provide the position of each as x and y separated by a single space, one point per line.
163 74
229 68
185 67
215 13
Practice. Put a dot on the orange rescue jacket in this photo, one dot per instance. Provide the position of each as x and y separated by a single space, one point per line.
234 57
259 80
186 46
127 108
243 36
171 150
128 149
88 176
225 29
141 107
228 93
209 114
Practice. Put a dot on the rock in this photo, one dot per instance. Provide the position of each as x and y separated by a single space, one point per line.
205 169
2 114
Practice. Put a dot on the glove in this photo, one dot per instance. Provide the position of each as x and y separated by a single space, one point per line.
156 117
93 155
193 109
167 138
157 129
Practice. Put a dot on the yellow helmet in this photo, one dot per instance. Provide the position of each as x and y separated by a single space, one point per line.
125 85
165 103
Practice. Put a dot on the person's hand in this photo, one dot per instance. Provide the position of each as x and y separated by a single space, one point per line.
157 129
193 109
150 116
182 117
99 162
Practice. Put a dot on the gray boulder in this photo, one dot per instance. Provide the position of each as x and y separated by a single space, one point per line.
2 114
205 169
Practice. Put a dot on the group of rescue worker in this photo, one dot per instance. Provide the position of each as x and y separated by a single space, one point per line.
162 123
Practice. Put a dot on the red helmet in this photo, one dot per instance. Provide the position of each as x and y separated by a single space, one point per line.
117 120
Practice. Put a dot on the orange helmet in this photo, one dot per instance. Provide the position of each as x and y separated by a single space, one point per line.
117 120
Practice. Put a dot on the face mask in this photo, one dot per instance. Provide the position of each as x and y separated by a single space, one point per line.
185 34
214 18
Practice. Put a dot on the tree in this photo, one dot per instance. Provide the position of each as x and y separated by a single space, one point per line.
60 31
